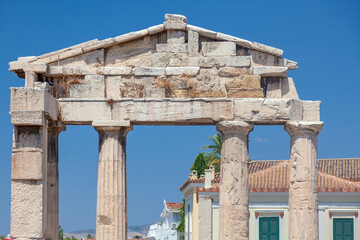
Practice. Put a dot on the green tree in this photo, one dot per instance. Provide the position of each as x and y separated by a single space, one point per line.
199 165
89 236
181 227
73 238
214 156
2 237
67 238
61 233
137 237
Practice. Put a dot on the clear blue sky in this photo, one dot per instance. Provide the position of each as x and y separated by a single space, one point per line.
323 36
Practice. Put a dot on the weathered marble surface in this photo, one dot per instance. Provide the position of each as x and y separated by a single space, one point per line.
111 215
234 184
303 189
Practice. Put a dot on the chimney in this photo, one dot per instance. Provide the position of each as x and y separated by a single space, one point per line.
208 177
193 175
212 169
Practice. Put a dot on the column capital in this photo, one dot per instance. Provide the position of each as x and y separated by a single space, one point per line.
56 126
303 127
112 125
234 127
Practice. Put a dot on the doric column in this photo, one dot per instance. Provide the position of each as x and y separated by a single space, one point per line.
111 222
234 182
52 179
205 217
303 188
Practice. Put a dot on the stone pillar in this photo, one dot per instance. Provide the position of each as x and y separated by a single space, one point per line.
205 217
303 187
52 179
34 182
234 181
111 222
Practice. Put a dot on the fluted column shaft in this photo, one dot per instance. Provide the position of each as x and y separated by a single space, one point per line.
234 181
303 187
111 222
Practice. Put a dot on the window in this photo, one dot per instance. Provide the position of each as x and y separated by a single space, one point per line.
343 229
269 228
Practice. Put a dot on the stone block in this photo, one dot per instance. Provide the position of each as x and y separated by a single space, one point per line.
26 166
30 79
188 71
161 59
202 31
245 93
55 70
113 84
239 41
222 61
288 89
273 87
36 67
78 70
27 209
15 66
245 82
33 99
149 71
93 87
207 94
155 93
218 49
156 29
28 138
266 49
132 90
311 110
131 36
193 43
172 48
115 70
233 71
175 37
291 65
266 110
174 21
270 71
27 118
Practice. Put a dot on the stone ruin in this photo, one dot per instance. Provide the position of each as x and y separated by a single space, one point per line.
169 74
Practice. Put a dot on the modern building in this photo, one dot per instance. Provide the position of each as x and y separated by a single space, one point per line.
166 229
339 201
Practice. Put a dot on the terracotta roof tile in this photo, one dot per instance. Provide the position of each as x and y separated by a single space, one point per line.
173 206
335 175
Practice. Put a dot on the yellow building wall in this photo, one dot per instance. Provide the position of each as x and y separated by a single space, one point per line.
195 218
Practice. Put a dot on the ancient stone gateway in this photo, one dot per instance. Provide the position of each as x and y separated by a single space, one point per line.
170 74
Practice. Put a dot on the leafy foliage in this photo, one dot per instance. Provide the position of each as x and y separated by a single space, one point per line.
61 233
2 237
213 157
89 236
181 227
199 165
137 237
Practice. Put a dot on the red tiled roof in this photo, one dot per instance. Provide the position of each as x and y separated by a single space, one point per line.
173 206
274 177
346 168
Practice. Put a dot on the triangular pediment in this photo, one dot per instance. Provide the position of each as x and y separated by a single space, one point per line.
173 59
